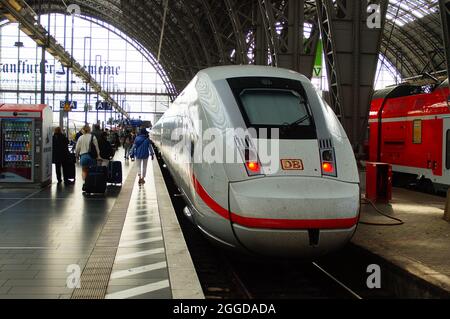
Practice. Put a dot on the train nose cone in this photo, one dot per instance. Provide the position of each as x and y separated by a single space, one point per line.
303 216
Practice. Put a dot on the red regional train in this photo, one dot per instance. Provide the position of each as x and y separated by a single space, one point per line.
409 127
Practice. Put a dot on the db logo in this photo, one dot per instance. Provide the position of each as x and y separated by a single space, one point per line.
292 165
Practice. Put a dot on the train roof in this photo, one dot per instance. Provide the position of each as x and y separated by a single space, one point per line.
398 91
234 71
403 90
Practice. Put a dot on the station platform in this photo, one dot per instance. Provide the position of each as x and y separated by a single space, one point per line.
126 244
420 248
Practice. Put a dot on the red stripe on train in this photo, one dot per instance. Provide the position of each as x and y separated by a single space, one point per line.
267 223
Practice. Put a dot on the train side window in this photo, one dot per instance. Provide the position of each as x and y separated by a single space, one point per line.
447 151
417 132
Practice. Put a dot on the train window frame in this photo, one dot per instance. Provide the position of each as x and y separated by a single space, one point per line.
276 91
417 132
240 84
447 151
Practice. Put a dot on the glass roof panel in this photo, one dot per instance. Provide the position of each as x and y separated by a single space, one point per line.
402 12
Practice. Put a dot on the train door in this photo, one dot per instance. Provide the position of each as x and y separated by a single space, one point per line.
446 152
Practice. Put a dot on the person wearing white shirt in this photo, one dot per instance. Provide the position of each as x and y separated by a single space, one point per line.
82 151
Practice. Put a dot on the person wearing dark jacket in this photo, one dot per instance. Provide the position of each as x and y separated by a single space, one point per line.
106 150
60 153
78 135
142 150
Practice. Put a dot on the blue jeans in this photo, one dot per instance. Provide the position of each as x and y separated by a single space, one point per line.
87 161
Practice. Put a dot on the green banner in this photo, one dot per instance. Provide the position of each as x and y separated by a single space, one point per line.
318 64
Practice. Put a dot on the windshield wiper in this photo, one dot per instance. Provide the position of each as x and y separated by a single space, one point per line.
297 123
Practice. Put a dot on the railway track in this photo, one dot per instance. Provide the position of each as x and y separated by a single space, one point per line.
265 279
228 275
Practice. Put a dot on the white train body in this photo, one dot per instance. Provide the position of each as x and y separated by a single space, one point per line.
305 202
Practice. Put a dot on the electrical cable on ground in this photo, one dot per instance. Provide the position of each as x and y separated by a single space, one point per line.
369 202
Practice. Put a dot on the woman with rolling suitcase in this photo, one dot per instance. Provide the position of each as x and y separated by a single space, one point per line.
87 150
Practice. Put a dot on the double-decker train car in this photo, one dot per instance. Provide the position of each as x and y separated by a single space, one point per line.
409 127
304 202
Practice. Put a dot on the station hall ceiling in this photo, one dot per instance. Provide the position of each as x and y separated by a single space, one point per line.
202 33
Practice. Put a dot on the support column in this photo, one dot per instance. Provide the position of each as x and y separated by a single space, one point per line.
43 76
295 52
261 45
444 6
351 34
289 48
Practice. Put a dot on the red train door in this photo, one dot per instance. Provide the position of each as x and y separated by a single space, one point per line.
446 152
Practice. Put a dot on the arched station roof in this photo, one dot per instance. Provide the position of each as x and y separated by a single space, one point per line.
202 33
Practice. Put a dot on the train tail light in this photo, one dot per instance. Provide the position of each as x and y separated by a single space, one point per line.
252 164
253 167
250 157
328 162
327 167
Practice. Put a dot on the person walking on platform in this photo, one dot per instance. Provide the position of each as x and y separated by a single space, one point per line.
87 150
78 135
131 152
106 150
97 131
142 150
115 140
60 154
127 143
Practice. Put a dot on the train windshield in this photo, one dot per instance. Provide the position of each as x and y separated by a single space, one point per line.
275 103
274 107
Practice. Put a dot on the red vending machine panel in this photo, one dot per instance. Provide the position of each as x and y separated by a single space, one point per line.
379 182
17 150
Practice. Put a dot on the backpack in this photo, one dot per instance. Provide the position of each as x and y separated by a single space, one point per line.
92 148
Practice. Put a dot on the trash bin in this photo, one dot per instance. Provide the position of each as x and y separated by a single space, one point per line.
379 182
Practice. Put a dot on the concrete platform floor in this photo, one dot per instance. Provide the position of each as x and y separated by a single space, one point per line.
45 231
421 246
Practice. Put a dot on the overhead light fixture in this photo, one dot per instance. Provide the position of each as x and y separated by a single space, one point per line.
15 4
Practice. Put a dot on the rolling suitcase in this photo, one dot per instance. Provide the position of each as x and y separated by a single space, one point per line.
96 180
69 171
115 172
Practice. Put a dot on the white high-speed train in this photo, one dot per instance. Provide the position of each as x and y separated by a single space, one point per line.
301 200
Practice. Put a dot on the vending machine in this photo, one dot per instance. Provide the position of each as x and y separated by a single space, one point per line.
26 144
